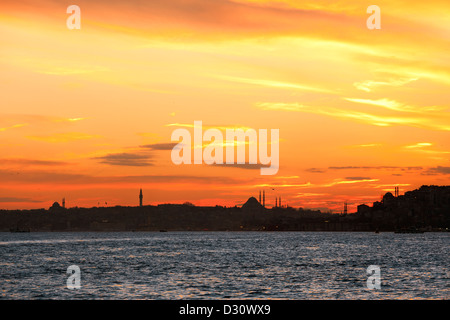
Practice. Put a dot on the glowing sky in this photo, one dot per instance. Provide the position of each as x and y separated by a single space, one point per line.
88 114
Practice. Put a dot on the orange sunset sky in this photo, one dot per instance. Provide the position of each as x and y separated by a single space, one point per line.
88 114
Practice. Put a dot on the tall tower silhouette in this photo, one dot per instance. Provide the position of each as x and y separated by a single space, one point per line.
64 202
140 198
264 199
260 196
276 202
279 202
345 207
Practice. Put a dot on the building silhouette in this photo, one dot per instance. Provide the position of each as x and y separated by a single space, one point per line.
140 198
426 207
252 205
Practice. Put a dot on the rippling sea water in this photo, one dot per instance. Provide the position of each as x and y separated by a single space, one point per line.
224 265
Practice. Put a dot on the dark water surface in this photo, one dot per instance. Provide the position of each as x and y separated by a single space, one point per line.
224 265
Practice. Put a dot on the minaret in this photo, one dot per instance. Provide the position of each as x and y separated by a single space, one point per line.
260 196
276 202
279 202
264 199
140 198
345 207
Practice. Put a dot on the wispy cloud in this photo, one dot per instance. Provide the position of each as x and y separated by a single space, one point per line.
64 137
282 106
395 105
385 103
17 200
249 166
276 84
310 195
68 119
367 145
219 127
348 181
370 85
52 178
437 171
421 120
335 182
125 159
31 162
160 146
390 186
358 178
282 185
286 177
316 170
424 147
334 112
13 127
419 145
36 119
375 168
52 69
